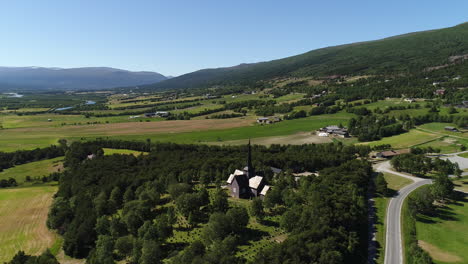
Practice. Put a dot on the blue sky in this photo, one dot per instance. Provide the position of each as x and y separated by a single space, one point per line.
175 37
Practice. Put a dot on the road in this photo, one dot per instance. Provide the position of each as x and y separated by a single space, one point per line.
393 244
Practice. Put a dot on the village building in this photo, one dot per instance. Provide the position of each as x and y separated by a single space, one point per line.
162 114
391 153
451 129
245 183
157 114
299 175
268 120
333 131
410 100
439 92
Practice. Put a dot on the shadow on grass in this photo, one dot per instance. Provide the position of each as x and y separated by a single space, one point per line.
250 235
267 222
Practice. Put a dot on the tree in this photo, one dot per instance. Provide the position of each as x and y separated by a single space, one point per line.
422 201
442 187
219 202
124 246
103 253
381 184
150 253
256 208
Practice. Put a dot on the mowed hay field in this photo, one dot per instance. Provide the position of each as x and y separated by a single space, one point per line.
29 138
23 215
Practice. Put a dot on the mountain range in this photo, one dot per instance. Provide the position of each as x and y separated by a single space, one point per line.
402 54
73 78
411 52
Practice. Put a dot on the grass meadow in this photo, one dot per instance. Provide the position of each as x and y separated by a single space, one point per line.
35 169
23 215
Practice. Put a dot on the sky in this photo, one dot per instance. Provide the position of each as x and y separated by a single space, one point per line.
174 37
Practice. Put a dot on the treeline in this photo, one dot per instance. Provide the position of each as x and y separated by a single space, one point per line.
224 116
22 258
10 159
128 208
160 104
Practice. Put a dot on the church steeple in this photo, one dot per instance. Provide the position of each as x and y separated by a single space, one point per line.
250 169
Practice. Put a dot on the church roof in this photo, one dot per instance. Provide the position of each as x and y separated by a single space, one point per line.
239 172
231 177
265 190
254 182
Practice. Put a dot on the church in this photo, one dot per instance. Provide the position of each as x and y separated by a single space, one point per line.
245 183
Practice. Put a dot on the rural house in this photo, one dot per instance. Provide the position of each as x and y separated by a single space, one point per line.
333 131
268 120
391 153
451 129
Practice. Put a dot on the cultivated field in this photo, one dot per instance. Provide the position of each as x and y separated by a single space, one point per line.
23 215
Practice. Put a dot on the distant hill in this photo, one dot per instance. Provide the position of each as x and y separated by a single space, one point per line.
74 78
403 53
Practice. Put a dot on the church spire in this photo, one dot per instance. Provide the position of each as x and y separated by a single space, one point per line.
250 168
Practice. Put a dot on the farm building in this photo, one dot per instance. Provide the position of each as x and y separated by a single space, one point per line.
268 120
244 183
299 175
391 153
333 131
451 129
410 100
157 114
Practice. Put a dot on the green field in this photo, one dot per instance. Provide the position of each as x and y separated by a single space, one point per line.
23 214
463 155
405 140
445 236
461 184
35 169
109 151
14 139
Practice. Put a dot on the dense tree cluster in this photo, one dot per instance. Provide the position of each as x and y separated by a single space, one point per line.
110 208
419 164
327 219
373 127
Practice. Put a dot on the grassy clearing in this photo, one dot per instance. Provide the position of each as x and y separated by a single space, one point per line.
446 144
445 236
461 184
109 151
23 214
405 140
35 169
464 155
440 128
395 182
294 139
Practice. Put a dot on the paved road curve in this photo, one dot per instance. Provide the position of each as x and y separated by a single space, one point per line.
393 244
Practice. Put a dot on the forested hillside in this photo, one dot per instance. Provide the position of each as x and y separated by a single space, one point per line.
412 52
